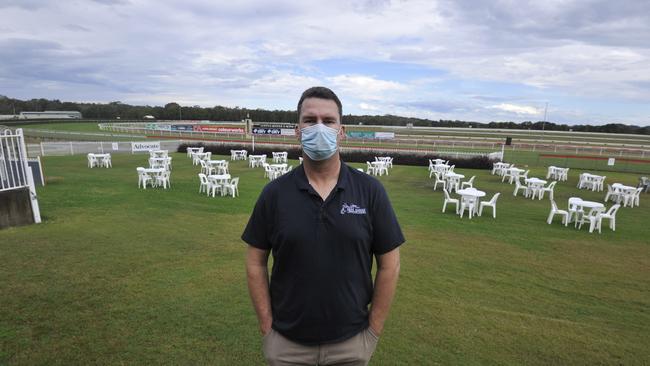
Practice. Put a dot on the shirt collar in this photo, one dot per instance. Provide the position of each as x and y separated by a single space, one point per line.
302 182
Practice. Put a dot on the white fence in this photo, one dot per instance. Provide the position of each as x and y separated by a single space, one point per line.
85 147
14 170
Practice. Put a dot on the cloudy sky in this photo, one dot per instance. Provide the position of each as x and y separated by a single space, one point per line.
440 59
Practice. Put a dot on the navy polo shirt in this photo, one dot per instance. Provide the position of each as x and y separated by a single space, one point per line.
321 283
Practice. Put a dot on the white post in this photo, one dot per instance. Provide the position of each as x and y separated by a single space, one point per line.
42 150
101 144
71 149
30 179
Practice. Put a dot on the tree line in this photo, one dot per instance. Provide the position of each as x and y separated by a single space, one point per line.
173 111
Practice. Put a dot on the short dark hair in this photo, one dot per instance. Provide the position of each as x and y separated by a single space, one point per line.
320 92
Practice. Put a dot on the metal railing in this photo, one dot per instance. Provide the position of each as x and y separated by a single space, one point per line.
14 170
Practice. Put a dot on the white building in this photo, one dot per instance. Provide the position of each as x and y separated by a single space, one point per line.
51 115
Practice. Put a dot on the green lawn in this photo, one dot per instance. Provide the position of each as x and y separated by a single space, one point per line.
118 275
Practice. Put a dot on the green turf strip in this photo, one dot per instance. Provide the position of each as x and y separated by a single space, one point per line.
119 275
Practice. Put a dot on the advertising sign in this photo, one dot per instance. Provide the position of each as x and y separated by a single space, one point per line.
288 131
360 134
266 131
611 161
145 146
115 146
163 127
219 129
291 126
384 135
182 127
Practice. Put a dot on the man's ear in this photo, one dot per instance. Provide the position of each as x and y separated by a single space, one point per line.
342 132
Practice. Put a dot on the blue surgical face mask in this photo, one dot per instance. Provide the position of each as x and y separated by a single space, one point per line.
319 141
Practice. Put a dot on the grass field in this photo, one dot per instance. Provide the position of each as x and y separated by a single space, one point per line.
117 275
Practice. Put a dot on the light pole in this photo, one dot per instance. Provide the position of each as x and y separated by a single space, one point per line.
180 112
544 121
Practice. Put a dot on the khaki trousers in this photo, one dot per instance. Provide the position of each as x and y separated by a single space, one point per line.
356 351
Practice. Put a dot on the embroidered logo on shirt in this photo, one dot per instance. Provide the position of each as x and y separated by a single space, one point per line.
352 209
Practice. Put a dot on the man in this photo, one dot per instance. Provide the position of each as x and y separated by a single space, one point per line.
323 222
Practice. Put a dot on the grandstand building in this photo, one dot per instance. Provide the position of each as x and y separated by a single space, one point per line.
51 115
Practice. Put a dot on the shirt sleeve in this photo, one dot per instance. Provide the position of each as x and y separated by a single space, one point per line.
387 234
256 232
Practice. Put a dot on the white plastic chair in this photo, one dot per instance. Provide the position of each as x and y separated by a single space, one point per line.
267 170
550 189
519 187
205 184
448 199
491 203
612 193
575 209
439 180
557 211
469 183
107 161
371 169
143 178
381 168
610 215
637 195
468 203
507 174
232 187
92 161
163 179
593 216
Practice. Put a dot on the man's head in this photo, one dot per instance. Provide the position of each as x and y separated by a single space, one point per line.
320 92
319 126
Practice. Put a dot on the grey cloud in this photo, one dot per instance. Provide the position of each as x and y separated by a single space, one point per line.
599 22
76 28
440 106
24 4
112 2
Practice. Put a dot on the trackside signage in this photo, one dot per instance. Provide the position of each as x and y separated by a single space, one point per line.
145 146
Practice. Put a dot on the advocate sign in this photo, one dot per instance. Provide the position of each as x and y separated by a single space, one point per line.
145 146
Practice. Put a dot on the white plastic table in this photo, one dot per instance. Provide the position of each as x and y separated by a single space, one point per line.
557 173
158 153
256 160
441 168
498 168
191 150
280 157
588 179
220 180
238 154
101 159
535 185
624 192
471 194
453 180
379 167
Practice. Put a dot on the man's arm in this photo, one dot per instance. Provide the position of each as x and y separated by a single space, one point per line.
385 284
258 286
